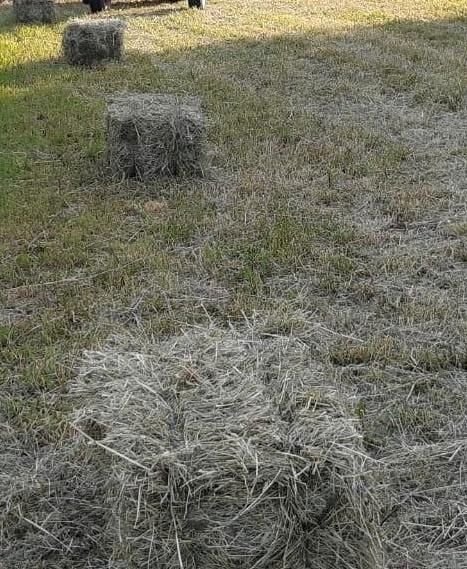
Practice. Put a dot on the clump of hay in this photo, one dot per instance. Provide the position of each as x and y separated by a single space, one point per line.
90 42
152 135
34 11
213 449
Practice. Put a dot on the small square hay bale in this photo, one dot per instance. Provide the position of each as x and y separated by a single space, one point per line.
89 42
34 11
152 135
217 448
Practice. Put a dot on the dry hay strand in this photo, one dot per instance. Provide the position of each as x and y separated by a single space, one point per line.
421 471
34 11
424 492
90 42
53 512
153 135
213 449
154 207
51 508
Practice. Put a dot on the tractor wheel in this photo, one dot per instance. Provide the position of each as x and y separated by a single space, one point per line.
96 6
200 4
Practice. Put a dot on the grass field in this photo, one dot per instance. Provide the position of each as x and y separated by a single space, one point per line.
334 211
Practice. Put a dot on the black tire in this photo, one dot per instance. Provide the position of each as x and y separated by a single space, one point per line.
96 6
200 4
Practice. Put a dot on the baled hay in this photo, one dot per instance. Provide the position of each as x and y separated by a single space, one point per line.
89 42
152 135
213 449
34 11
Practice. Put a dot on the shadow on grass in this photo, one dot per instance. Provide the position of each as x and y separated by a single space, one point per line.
68 10
147 4
64 11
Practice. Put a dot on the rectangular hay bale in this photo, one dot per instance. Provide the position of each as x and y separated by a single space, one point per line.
89 42
34 11
153 135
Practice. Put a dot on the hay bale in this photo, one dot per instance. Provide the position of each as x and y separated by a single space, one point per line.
34 11
152 135
90 42
214 449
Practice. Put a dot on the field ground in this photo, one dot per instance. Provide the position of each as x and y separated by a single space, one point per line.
334 211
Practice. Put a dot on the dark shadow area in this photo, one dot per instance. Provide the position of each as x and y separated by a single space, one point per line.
67 10
302 71
136 3
158 13
148 3
64 11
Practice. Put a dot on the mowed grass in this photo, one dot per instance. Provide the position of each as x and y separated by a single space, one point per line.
334 208
334 211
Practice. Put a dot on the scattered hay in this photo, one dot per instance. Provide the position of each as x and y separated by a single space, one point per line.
34 11
424 492
53 512
89 42
155 207
152 135
213 449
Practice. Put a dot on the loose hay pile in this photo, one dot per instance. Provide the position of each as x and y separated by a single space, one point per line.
151 135
34 11
89 42
209 450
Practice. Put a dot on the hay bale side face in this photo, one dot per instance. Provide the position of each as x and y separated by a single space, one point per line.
34 11
92 42
155 135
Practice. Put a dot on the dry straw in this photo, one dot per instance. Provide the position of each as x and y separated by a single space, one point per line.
92 42
34 11
424 495
214 449
152 135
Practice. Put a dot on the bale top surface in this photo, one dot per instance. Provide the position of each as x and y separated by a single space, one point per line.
95 26
147 106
